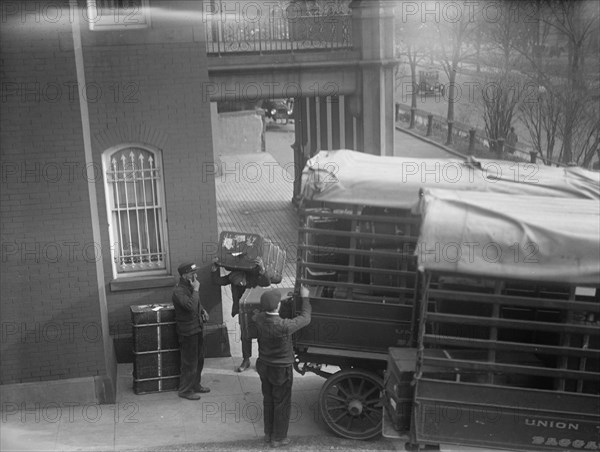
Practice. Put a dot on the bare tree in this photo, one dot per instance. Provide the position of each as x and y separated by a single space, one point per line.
500 93
500 96
412 43
455 46
541 112
586 134
563 85
576 21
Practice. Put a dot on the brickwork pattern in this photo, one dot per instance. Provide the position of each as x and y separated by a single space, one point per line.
49 311
163 109
142 88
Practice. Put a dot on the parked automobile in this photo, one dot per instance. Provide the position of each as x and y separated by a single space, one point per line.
429 82
279 109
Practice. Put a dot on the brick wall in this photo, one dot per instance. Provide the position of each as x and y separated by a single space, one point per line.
143 87
152 83
50 315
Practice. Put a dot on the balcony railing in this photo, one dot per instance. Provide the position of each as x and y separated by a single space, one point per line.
276 33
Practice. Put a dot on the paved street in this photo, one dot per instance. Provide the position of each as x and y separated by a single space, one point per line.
468 107
280 137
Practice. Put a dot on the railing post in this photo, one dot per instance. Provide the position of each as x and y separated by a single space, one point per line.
413 112
500 147
449 138
471 141
533 156
397 112
429 124
263 119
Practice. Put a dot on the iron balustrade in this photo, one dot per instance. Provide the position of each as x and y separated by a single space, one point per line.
276 33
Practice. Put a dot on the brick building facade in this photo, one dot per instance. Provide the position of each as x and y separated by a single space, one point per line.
106 184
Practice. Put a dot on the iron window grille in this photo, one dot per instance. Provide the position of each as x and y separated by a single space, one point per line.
136 212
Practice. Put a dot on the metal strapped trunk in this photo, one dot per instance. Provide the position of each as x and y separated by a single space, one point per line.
156 365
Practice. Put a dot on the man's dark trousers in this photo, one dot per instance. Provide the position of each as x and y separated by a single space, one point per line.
236 293
277 398
192 362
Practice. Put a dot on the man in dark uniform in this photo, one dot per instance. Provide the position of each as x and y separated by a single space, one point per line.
240 281
275 360
190 316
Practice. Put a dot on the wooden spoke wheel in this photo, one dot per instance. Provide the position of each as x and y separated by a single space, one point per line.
350 404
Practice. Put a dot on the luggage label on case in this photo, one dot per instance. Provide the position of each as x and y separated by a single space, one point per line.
230 242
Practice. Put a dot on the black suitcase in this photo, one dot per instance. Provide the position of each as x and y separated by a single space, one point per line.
216 340
250 303
156 358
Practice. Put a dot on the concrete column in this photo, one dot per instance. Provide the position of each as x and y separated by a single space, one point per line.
373 31
214 125
300 144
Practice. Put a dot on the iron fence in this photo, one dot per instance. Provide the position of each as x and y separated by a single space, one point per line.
277 33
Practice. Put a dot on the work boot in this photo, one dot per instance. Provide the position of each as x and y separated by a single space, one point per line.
190 395
281 442
245 364
201 389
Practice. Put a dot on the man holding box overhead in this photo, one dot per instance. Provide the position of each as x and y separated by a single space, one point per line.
240 281
190 317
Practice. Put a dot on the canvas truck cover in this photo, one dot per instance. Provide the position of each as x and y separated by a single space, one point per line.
351 177
507 236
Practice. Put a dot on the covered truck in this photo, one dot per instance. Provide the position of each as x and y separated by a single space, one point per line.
508 342
358 236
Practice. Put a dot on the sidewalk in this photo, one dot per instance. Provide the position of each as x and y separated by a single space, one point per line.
231 411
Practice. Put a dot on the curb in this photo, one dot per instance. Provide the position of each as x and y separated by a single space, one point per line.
298 444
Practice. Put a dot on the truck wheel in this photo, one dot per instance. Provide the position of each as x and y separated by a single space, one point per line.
350 404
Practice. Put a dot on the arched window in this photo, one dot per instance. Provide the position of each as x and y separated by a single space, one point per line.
136 211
